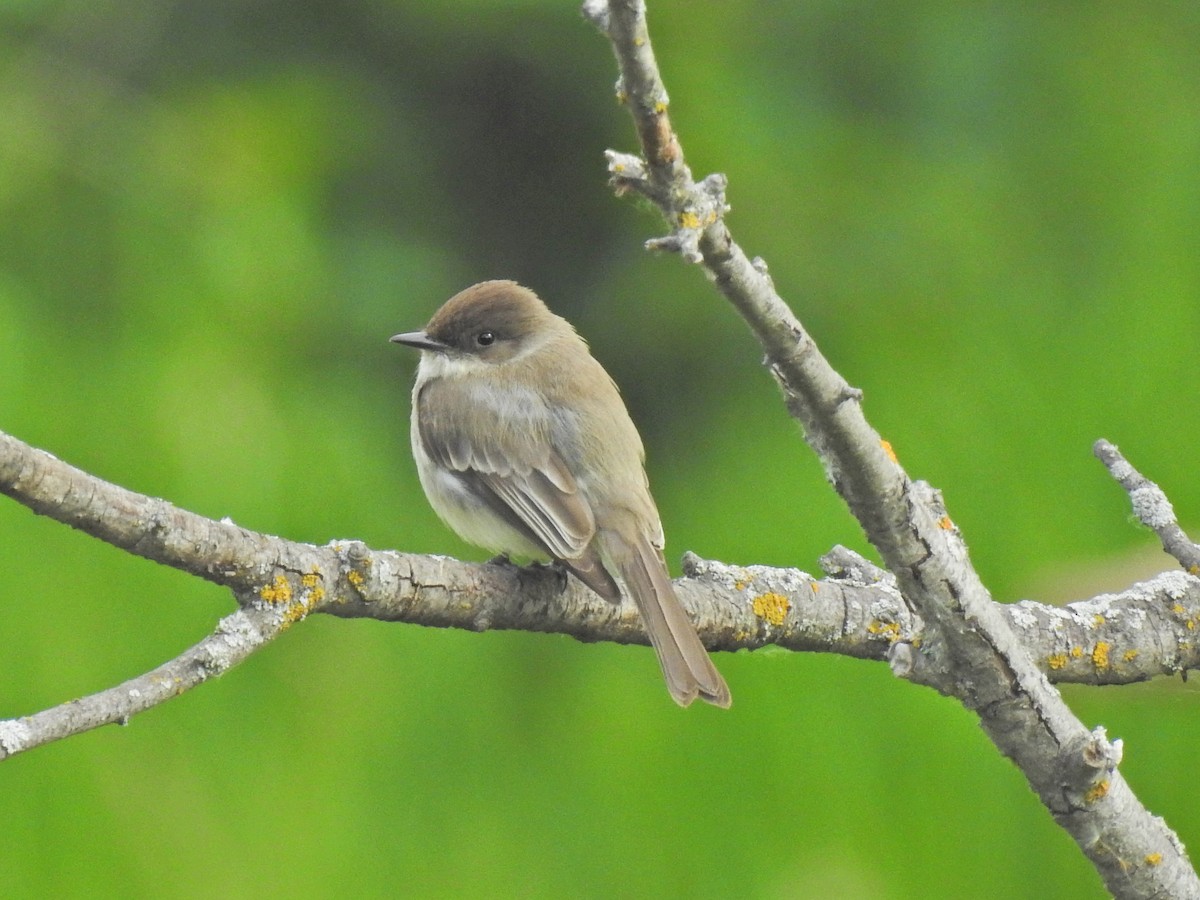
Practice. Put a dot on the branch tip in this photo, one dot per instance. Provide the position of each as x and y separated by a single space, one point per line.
596 12
683 242
1150 506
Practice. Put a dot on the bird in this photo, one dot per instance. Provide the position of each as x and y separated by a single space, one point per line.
524 447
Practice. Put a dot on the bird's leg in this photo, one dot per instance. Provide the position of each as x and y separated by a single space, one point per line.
559 570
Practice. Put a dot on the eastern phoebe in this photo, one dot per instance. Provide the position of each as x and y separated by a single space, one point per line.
523 446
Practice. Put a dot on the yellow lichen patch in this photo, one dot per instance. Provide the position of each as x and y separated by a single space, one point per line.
1057 660
278 591
946 523
1178 609
1098 620
660 107
1194 570
689 219
1130 655
294 612
1100 654
1153 859
1076 652
772 607
887 449
355 578
312 581
1098 791
890 630
815 586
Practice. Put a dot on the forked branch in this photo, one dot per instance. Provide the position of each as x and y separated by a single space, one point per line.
970 650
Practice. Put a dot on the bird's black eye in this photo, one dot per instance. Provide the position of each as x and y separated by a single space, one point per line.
485 338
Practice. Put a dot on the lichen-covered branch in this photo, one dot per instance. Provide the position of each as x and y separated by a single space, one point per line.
855 611
235 638
1142 632
1151 506
970 650
220 552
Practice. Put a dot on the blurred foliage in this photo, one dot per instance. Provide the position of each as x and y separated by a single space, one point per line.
213 215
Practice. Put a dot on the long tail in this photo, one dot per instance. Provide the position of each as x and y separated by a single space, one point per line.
688 671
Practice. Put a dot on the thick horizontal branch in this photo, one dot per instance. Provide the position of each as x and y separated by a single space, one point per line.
855 611
220 552
1119 638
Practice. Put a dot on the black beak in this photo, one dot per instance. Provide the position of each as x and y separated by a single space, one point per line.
418 339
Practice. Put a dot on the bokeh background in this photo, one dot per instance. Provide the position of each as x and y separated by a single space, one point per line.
212 216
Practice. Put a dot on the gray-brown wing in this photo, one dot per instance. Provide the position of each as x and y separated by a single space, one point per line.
518 473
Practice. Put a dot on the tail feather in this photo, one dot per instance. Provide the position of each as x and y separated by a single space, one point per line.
686 666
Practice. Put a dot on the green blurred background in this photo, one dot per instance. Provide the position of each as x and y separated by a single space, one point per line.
212 216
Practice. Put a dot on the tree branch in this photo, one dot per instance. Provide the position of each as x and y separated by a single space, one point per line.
970 651
855 611
235 638
1151 506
